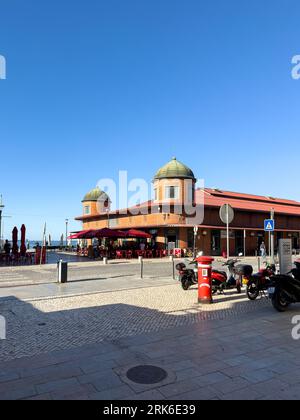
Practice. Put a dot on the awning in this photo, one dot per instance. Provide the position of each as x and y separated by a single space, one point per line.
98 233
133 233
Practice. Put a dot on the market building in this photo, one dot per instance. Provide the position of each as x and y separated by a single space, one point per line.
166 219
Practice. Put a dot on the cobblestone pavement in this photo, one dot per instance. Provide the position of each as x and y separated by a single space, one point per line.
44 325
249 357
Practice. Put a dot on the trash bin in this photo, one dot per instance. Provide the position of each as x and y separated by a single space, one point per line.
62 267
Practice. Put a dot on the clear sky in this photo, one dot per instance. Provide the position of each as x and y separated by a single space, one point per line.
96 86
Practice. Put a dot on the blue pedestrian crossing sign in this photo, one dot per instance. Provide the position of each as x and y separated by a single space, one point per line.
269 225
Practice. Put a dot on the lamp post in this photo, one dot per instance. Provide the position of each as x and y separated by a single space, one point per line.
195 236
272 239
67 223
107 212
1 210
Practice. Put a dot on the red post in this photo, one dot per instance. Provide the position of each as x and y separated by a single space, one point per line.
204 279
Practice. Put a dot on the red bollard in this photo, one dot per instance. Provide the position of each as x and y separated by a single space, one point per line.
204 279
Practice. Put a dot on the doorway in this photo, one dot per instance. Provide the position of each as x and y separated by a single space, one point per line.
216 242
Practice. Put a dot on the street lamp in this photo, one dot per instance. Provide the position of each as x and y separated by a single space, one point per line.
67 223
1 210
107 212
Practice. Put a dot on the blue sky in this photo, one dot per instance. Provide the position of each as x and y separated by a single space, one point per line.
94 87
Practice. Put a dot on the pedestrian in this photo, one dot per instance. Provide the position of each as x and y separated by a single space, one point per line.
7 247
263 250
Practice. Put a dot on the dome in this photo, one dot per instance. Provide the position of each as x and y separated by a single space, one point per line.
175 169
95 195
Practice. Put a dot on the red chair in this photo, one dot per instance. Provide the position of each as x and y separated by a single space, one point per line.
119 255
149 254
177 253
129 255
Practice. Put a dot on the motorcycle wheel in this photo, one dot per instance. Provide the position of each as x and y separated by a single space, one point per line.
252 290
279 302
186 284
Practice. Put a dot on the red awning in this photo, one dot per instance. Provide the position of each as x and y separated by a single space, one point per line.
109 233
80 235
133 233
98 233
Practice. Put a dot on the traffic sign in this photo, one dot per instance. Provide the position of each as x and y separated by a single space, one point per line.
269 225
226 213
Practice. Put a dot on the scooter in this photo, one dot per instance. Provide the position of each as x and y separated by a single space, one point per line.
260 282
237 274
220 280
285 289
187 276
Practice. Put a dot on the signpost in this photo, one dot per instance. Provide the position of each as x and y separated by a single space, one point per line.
227 216
195 237
270 227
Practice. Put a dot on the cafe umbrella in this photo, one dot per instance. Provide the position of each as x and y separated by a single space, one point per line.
23 241
15 248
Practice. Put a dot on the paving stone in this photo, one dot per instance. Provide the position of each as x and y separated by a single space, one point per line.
118 393
231 385
6 377
211 379
178 388
257 376
101 381
41 397
198 394
56 385
245 394
18 394
152 395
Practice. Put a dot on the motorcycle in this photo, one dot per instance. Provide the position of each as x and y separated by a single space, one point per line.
285 289
220 280
260 282
187 276
237 274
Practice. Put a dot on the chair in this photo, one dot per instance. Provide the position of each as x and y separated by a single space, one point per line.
149 254
129 255
119 255
177 253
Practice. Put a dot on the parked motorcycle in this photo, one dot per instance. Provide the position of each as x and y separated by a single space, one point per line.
285 289
237 274
260 282
187 276
220 280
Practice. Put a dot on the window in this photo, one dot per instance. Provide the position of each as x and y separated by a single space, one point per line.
172 193
87 209
156 194
190 197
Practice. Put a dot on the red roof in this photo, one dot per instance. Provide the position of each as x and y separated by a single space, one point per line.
239 201
216 198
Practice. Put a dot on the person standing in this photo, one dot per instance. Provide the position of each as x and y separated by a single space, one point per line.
7 250
7 247
263 250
